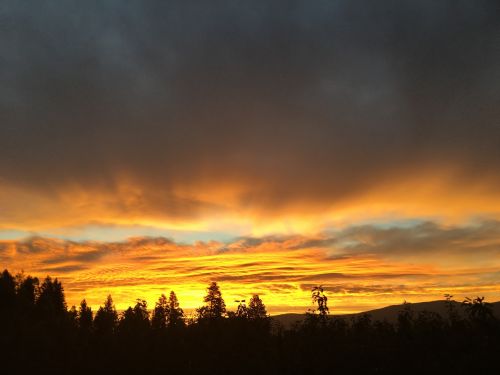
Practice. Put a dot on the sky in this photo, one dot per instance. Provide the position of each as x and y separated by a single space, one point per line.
269 146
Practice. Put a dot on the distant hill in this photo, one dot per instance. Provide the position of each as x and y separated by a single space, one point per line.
388 313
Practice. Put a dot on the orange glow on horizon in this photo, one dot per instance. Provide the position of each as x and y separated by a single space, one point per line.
221 207
281 271
280 262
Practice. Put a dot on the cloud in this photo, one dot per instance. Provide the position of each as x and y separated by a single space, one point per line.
376 265
174 111
293 126
477 243
63 269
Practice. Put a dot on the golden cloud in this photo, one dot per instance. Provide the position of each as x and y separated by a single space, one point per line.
243 207
361 267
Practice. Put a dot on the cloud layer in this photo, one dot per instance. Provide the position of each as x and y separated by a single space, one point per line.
361 267
175 112
353 144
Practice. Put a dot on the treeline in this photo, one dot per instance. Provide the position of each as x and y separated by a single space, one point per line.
38 331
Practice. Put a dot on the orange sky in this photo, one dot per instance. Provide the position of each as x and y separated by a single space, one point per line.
407 238
163 145
361 267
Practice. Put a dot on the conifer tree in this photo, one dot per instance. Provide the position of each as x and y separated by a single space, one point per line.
215 307
106 318
159 318
174 313
256 308
85 316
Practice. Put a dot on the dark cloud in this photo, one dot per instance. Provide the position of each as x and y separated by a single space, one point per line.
147 241
91 256
64 269
406 238
362 289
479 239
329 277
331 98
316 242
35 245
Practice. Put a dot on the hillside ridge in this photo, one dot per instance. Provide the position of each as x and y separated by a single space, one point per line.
388 313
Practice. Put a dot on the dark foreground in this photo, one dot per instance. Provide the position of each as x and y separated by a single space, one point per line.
39 334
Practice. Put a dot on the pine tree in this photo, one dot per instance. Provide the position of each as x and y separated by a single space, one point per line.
160 312
27 288
174 313
85 317
51 303
256 308
7 295
242 310
135 320
215 307
106 318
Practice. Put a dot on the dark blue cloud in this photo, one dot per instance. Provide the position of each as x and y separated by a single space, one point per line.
344 94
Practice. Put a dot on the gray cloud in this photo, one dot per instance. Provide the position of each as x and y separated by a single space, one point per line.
363 289
331 98
482 238
369 262
64 269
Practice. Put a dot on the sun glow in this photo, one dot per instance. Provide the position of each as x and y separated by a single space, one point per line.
280 269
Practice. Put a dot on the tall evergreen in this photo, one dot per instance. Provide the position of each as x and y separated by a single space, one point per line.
7 290
51 301
175 313
85 316
215 307
256 308
160 312
106 318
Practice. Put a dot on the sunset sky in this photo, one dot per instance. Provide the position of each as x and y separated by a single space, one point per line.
268 146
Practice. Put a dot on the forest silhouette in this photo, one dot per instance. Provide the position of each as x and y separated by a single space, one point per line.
39 332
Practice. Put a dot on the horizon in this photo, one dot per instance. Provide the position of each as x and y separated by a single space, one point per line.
281 269
193 313
149 147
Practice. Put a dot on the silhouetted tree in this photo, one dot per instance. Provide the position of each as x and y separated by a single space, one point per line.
215 307
51 301
451 309
135 320
73 317
85 317
167 312
106 317
424 340
318 317
405 319
7 290
319 298
256 308
141 312
175 315
241 310
477 309
27 288
160 313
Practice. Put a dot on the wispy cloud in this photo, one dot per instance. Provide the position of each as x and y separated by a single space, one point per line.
359 266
